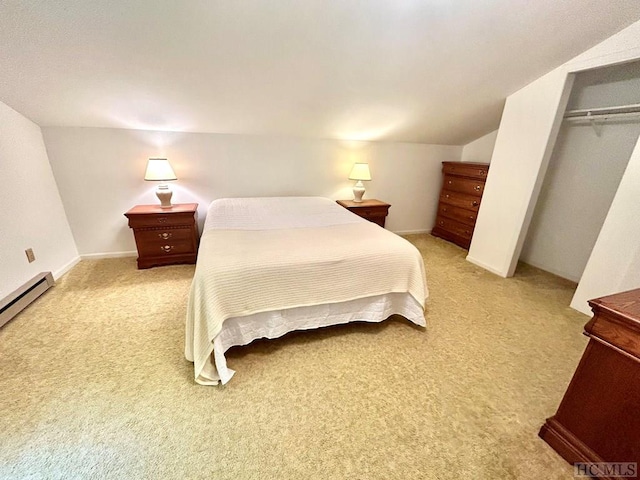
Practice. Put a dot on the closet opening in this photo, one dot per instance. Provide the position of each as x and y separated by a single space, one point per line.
598 134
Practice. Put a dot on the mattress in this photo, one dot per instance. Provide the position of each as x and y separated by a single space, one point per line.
268 266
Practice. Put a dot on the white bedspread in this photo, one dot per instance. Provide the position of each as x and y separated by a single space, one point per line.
274 254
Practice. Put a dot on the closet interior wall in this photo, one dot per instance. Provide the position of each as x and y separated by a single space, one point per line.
584 172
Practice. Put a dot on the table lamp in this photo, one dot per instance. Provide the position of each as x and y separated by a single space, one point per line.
359 172
159 170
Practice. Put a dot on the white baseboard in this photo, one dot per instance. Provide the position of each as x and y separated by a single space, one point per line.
485 266
410 232
98 256
61 271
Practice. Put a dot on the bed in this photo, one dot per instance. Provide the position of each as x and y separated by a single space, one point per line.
269 266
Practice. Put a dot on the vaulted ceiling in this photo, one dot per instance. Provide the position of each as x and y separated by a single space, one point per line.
430 71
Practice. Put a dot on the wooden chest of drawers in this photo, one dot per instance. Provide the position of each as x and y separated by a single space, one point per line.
462 188
597 420
165 236
373 210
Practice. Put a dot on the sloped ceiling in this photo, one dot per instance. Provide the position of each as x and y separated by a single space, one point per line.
430 71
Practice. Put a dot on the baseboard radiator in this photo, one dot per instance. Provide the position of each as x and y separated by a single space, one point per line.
18 300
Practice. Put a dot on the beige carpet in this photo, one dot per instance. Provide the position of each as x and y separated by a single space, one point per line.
94 384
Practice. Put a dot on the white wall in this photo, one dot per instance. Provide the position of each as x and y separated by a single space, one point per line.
529 126
584 173
523 147
614 264
31 211
100 172
582 179
481 149
606 86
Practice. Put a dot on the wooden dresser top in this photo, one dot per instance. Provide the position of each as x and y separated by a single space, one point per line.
156 208
364 203
616 321
626 304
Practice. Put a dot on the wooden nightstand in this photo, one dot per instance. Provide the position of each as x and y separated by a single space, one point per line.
373 210
165 236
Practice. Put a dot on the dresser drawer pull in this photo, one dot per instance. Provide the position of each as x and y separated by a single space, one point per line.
447 196
165 235
441 222
162 219
450 182
475 204
471 217
444 209
481 172
167 248
467 232
477 188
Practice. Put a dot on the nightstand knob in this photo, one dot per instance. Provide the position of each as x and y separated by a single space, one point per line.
165 235
167 248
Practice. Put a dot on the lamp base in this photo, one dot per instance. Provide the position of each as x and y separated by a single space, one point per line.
164 194
358 191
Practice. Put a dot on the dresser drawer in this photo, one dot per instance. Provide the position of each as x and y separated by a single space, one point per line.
467 186
159 220
472 170
461 200
462 215
454 227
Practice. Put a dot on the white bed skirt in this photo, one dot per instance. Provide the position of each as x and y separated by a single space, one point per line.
243 330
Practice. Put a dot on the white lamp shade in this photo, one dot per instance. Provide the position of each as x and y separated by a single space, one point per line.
360 171
159 169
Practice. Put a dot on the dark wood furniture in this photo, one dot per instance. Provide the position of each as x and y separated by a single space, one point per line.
373 210
462 188
598 419
165 236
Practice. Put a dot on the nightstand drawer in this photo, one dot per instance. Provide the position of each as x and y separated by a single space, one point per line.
166 247
371 212
159 220
163 235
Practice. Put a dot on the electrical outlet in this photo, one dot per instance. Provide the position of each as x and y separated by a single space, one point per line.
30 256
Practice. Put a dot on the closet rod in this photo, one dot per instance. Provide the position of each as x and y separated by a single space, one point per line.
606 111
602 117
